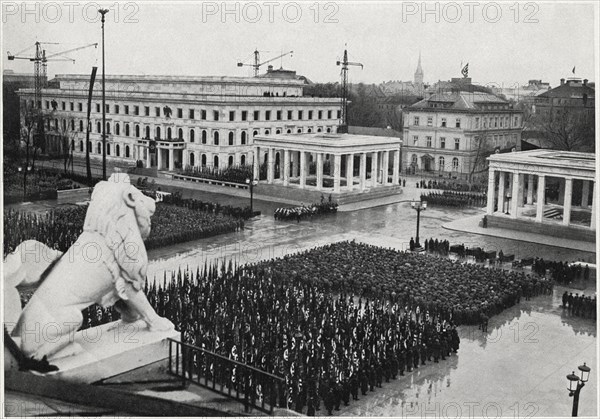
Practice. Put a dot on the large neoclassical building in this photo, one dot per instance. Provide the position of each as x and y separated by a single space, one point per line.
184 121
544 191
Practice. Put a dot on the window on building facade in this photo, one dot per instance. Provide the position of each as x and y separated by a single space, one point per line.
203 136
179 113
256 115
320 115
216 138
127 130
244 115
108 149
72 125
180 134
99 148
289 116
457 143
429 141
147 110
443 122
415 139
126 109
441 164
98 108
191 114
278 131
300 115
299 131
231 116
267 132
72 106
476 122
81 126
169 133
516 122
339 114
47 104
98 127
267 115
137 131
136 110
455 163
158 133
203 114
415 160
192 137
117 129
501 122
63 105
243 159
243 139
254 133
279 115
416 120
310 114
117 150
203 160
230 138
328 114
127 151
216 161
156 111
81 146
230 161
117 109
457 122
148 132
215 115
430 121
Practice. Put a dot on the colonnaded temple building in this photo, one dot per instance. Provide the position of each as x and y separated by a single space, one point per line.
184 121
544 191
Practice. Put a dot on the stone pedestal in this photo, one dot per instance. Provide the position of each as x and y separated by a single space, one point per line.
107 350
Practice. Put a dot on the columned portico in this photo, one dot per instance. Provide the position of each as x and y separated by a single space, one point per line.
544 188
341 149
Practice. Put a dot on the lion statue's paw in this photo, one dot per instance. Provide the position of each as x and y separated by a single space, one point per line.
160 324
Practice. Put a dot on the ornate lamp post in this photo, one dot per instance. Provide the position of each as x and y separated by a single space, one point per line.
251 184
418 206
103 12
576 384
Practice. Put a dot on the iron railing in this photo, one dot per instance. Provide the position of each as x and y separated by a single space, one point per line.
244 383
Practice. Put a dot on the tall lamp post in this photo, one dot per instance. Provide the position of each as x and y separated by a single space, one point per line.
576 384
418 206
251 184
103 12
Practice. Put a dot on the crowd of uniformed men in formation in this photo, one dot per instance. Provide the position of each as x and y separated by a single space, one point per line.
335 321
579 305
455 199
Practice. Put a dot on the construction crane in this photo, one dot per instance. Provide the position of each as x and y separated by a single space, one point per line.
40 60
343 128
257 62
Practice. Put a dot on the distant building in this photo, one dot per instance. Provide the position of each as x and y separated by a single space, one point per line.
11 83
522 93
169 122
450 132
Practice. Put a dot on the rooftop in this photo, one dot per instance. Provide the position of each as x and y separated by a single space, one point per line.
460 100
569 160
185 79
332 142
572 88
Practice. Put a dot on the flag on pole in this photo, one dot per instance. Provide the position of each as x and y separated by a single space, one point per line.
465 70
573 70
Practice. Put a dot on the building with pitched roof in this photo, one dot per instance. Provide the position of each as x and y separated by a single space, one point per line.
451 132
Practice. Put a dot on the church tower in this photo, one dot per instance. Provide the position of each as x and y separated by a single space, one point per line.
419 74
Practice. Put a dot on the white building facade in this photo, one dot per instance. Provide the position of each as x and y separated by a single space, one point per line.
172 122
450 132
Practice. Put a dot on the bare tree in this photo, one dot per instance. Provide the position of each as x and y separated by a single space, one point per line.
565 128
67 144
483 148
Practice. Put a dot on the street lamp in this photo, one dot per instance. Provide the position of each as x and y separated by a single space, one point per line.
251 184
576 384
418 206
103 12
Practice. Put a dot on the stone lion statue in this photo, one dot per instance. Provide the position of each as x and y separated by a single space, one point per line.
106 265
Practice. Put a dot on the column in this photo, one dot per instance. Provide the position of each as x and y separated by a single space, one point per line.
286 167
148 158
491 191
561 190
374 168
337 172
514 202
594 205
396 167
363 171
567 201
319 171
255 163
385 168
299 169
521 196
350 171
184 158
270 165
541 192
529 189
302 170
501 182
585 193
159 158
171 159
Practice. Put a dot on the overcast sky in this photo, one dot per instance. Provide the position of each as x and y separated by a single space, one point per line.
503 43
